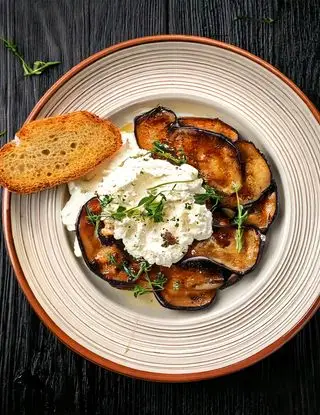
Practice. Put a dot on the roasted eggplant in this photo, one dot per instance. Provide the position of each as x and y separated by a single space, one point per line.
191 285
210 124
257 175
220 219
230 280
153 126
215 157
101 252
211 153
220 248
225 162
262 213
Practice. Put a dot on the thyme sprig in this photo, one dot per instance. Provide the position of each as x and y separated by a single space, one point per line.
144 268
175 182
38 66
165 151
2 133
153 285
94 218
267 20
210 195
153 207
239 219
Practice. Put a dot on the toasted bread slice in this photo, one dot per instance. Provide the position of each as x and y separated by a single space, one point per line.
55 150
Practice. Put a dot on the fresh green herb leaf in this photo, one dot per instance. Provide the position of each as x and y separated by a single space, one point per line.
105 200
267 20
112 260
147 199
156 285
163 150
120 213
139 290
2 133
209 195
134 212
152 207
173 182
93 219
155 209
158 282
144 267
38 66
239 219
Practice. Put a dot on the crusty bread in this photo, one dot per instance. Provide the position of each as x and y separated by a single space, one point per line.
55 150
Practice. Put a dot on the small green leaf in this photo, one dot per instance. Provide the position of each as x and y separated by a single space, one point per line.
267 20
2 133
163 150
156 285
239 220
139 290
105 200
38 66
119 214
146 199
209 195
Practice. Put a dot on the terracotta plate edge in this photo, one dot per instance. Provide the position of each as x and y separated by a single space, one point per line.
68 341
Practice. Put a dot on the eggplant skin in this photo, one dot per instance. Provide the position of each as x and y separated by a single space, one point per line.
220 219
257 175
232 279
191 285
96 249
263 212
204 300
220 248
210 124
153 126
216 158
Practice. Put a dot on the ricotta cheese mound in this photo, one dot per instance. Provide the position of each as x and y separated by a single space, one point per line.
132 175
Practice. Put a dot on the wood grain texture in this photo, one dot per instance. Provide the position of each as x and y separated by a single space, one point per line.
39 375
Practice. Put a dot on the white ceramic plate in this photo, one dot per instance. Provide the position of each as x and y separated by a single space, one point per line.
249 320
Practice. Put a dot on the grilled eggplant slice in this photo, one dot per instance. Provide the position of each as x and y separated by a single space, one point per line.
257 175
210 124
213 155
231 280
263 212
153 126
98 249
190 286
220 219
220 248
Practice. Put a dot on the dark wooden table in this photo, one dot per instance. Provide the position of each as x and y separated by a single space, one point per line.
38 374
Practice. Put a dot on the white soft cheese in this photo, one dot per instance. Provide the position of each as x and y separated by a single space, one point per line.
84 189
127 178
